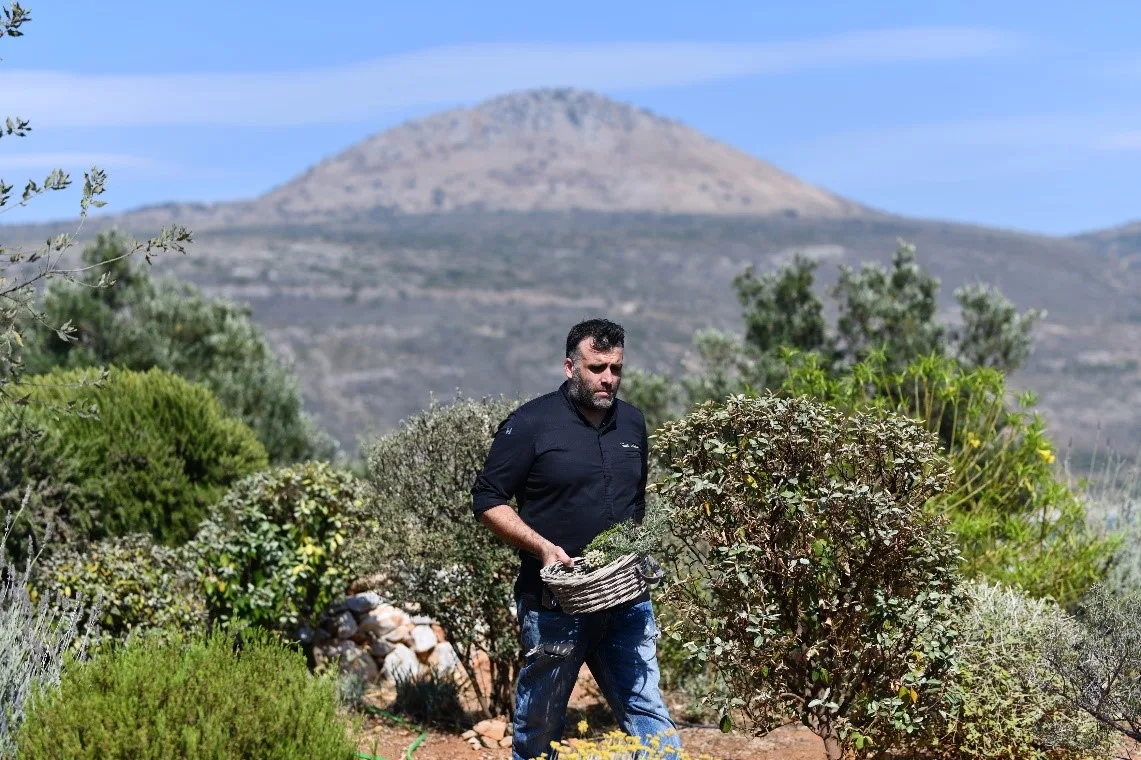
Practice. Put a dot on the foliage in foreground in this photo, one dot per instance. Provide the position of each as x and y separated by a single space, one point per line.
1094 665
812 580
271 552
1016 519
996 706
227 694
36 637
418 529
158 454
139 323
143 585
617 745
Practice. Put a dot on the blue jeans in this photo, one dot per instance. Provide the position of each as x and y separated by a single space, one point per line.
620 648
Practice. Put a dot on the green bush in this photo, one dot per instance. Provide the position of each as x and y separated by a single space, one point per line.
1092 663
141 322
224 695
996 707
1016 519
159 454
418 529
812 579
270 552
143 585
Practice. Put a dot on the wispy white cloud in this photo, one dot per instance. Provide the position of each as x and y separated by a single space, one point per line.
460 74
77 162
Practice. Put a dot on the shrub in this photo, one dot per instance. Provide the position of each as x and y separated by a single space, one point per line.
815 583
270 553
418 529
143 585
35 637
1016 519
1094 663
226 694
141 322
158 455
996 707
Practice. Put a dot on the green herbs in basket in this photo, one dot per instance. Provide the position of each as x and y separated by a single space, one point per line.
626 538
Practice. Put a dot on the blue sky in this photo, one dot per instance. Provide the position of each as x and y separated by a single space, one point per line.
1013 114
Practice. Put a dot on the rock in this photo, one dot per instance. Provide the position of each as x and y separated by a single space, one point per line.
344 625
378 622
421 620
331 651
400 635
348 657
505 741
359 604
439 631
489 743
492 729
363 665
307 634
401 661
469 734
444 658
379 649
423 638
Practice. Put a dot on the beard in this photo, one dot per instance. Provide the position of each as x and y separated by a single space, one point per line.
581 393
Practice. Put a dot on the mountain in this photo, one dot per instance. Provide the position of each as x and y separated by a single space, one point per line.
1121 244
547 150
454 252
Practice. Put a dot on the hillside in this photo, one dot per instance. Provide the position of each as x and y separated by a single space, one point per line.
558 205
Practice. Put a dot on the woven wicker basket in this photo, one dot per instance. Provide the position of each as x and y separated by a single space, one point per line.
583 589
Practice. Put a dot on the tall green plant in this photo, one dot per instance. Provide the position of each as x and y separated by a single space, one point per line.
1015 517
417 529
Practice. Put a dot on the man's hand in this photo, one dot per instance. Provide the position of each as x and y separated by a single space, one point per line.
506 523
556 554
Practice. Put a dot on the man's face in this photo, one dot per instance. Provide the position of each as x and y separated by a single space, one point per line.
595 377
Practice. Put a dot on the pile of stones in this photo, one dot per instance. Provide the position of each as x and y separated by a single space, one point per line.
489 734
377 641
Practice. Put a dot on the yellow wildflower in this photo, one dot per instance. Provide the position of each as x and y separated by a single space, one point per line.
1047 455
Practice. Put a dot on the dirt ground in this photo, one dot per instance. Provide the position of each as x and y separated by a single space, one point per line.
388 739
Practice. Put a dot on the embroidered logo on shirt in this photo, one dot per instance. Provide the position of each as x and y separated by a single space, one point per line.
507 430
629 445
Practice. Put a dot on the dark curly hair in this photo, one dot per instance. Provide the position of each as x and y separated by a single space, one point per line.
604 335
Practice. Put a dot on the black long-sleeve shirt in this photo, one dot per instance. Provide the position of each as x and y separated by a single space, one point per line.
571 480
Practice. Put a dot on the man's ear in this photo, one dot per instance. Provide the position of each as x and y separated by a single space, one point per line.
568 367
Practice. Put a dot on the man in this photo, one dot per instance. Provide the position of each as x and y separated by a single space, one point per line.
576 461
